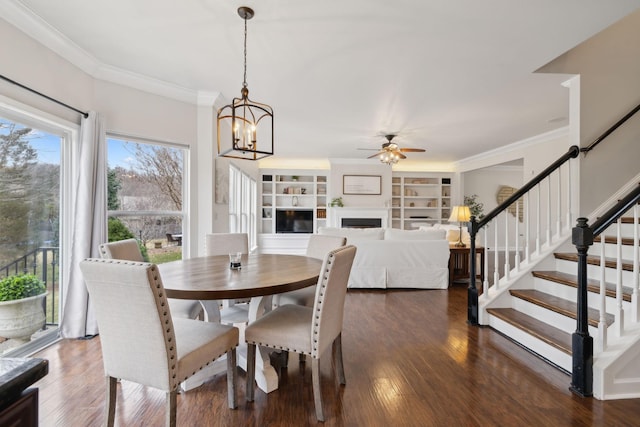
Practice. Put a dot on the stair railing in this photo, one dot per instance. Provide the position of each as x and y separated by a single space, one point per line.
583 237
548 195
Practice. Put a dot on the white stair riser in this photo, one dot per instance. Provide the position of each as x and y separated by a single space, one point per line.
626 230
611 250
552 318
570 293
545 350
593 271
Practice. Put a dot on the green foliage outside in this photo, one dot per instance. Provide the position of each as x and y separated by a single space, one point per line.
20 286
118 231
163 257
113 186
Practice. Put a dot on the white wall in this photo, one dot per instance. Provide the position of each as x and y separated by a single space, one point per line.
126 111
486 183
340 167
609 66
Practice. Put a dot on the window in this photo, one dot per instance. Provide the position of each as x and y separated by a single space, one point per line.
146 196
34 154
242 204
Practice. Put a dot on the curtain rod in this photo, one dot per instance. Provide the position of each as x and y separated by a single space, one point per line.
44 96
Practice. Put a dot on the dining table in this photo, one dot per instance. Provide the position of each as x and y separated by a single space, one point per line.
259 277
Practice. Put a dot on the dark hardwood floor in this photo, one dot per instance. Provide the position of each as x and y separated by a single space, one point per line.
410 360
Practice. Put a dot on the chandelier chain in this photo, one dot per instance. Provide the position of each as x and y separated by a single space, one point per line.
244 83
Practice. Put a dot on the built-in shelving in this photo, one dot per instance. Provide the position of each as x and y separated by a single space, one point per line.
419 199
285 190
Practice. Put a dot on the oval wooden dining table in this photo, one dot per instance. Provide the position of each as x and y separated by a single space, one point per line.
261 275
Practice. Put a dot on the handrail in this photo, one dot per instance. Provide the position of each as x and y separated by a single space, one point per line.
610 130
573 152
475 226
612 215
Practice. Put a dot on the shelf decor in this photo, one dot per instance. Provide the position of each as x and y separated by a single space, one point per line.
362 184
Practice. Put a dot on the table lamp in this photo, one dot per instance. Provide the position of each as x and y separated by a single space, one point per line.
460 214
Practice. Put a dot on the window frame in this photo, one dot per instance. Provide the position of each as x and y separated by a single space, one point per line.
184 214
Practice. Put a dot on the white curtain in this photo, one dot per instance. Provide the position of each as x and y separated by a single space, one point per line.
88 224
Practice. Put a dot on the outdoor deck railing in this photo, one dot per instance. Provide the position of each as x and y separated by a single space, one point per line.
44 263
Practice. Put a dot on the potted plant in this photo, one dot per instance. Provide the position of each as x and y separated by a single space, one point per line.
336 202
21 310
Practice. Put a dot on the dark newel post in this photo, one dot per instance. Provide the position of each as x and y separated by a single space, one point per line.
582 343
472 301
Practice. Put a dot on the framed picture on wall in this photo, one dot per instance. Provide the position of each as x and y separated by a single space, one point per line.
362 184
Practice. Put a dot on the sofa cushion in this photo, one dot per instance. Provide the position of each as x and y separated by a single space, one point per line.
354 235
422 234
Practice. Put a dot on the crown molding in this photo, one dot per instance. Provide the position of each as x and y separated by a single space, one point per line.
516 146
23 18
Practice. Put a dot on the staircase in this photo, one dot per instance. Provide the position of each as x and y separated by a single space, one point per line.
539 309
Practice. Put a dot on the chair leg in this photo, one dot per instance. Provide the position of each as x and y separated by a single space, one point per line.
251 371
317 396
170 413
337 359
110 404
231 378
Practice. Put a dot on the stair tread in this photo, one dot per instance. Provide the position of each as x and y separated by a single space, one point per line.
543 331
593 285
559 305
594 260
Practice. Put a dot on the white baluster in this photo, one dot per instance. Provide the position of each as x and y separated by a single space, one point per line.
485 284
635 298
527 232
559 205
496 274
538 217
548 237
569 220
620 311
602 321
506 245
517 238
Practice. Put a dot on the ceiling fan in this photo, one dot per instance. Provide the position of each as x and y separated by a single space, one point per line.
390 152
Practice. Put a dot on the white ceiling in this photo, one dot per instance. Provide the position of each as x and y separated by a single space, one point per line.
453 77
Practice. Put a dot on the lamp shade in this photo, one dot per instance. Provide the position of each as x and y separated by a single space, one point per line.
460 214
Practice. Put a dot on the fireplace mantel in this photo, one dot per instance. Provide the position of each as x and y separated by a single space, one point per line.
337 214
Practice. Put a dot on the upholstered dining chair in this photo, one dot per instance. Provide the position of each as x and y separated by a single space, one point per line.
307 330
129 250
140 340
318 247
233 311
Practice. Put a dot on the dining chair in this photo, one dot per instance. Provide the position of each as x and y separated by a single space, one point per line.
233 311
307 330
318 247
129 250
142 342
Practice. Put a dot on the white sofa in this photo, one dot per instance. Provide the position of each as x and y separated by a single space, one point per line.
392 258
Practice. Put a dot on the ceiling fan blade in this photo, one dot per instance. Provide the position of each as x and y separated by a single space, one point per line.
402 156
413 150
375 155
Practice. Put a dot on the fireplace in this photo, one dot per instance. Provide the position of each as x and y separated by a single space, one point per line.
361 223
361 217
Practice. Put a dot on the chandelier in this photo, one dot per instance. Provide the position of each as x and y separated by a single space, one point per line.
245 127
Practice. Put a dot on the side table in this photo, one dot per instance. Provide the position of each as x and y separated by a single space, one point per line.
459 264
